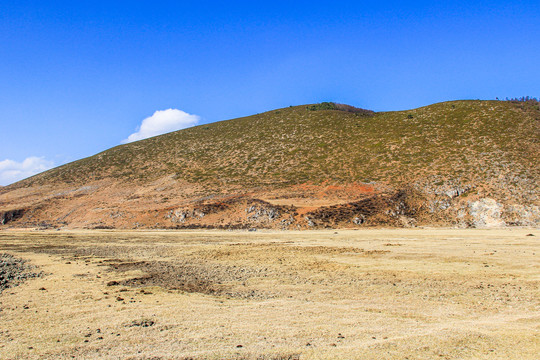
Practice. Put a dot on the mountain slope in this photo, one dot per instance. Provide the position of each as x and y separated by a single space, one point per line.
442 159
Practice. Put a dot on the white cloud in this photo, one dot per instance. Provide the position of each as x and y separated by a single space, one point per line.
12 171
163 121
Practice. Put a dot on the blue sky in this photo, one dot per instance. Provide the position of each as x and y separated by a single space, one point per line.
78 77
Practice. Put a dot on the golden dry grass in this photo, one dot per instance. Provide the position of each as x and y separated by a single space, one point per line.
369 294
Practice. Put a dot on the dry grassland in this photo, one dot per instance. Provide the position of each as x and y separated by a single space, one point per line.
369 294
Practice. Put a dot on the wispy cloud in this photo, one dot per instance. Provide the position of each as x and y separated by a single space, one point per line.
163 121
13 171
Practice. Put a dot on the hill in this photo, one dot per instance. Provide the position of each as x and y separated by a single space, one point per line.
460 163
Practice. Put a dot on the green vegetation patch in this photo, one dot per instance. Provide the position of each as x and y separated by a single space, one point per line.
340 107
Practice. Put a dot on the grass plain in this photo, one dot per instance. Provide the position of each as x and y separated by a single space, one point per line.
365 294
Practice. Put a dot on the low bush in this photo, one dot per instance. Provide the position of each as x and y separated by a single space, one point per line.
340 107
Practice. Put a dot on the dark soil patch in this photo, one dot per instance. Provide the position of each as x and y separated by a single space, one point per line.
209 279
13 271
141 323
237 357
209 227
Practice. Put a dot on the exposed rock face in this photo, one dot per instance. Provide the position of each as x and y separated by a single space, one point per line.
309 221
486 213
259 212
232 212
521 215
359 220
181 215
451 204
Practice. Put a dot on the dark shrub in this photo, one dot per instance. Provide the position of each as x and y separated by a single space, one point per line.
340 107
322 106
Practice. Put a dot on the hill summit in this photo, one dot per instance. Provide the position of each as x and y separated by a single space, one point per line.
459 163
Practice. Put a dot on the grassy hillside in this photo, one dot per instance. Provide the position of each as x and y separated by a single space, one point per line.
461 163
463 139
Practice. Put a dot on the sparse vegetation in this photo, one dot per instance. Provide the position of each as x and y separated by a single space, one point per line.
523 99
526 102
272 148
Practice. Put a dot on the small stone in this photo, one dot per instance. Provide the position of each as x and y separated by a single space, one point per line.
239 346
42 289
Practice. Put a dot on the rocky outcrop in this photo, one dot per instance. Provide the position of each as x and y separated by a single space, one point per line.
449 205
11 215
181 215
238 212
486 213
262 212
521 215
398 209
